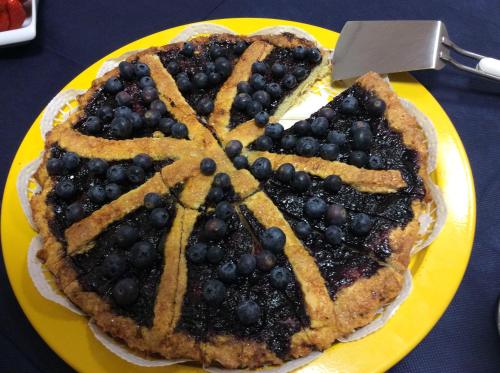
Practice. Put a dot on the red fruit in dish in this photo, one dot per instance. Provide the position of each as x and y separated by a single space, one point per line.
4 20
17 14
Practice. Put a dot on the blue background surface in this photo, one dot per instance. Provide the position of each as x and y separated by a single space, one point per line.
72 35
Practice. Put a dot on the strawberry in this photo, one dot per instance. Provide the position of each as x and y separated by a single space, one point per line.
17 14
4 20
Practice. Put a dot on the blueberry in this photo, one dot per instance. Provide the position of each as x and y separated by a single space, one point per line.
97 166
159 217
71 161
223 66
329 152
123 98
349 105
263 97
179 131
214 79
301 181
215 194
228 272
375 106
361 138
274 131
205 106
302 229
307 146
127 70
319 127
173 68
253 107
302 128
105 112
152 118
200 80
65 189
55 166
165 125
114 265
247 264
263 143
358 158
214 292
207 166
123 111
222 180
334 235
244 87
335 137
215 254
265 261
135 174
336 215
197 253
121 128
75 212
92 125
209 68
261 168
376 162
143 254
299 53
97 194
261 118
315 208
116 174
146 81
215 51
327 113
361 224
184 84
300 73
278 70
241 101
273 239
332 183
285 173
215 229
260 67
280 277
240 162
313 55
113 191
288 142
149 94
141 69
187 49
233 148
224 210
113 85
125 292
159 106
143 160
274 90
136 120
126 235
240 47
289 81
153 200
257 81
248 312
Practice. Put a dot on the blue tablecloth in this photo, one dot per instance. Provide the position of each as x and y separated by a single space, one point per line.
74 34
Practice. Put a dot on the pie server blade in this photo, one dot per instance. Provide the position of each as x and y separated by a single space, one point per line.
395 46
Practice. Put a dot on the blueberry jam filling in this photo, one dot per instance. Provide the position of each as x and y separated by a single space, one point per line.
351 129
126 263
272 80
128 106
235 287
83 185
200 70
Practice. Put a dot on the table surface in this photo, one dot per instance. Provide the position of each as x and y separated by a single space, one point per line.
72 35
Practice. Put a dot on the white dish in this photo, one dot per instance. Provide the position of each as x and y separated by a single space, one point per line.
25 33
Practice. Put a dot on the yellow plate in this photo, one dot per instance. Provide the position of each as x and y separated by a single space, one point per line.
437 270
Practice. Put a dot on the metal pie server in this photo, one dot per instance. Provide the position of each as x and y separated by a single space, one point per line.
395 46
